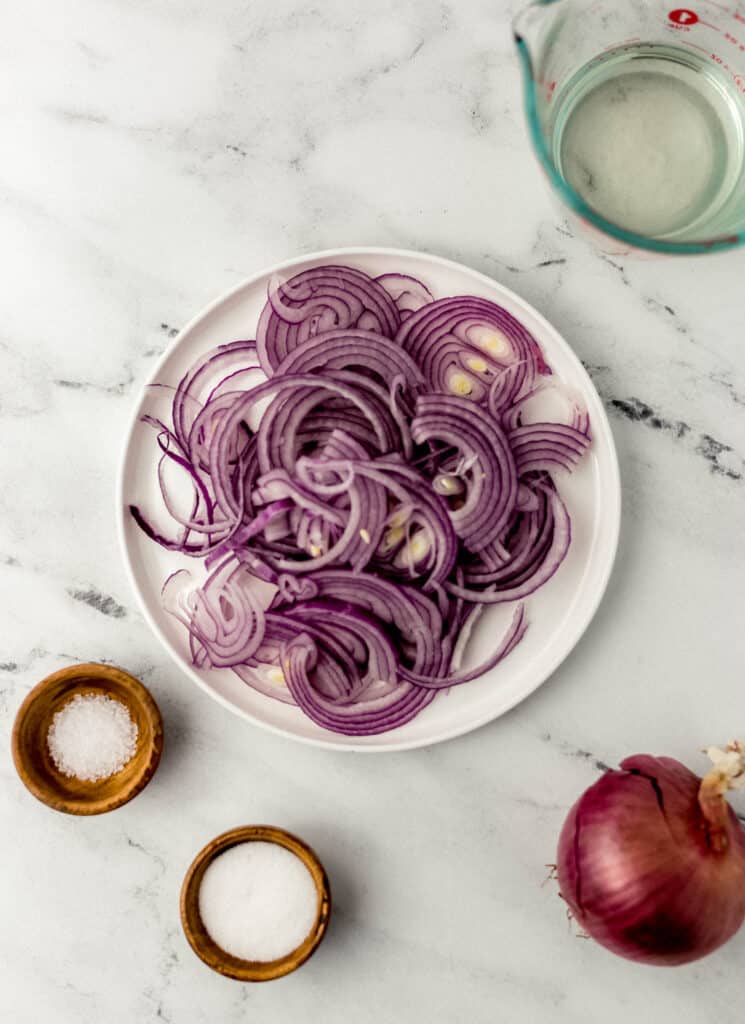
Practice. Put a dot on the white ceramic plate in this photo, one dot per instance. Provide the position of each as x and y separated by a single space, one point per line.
558 613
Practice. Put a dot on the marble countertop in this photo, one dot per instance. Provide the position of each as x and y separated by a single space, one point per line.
157 153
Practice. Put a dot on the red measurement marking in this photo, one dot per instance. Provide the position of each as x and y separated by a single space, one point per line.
682 16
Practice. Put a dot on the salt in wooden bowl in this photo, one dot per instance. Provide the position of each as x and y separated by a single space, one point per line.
33 760
196 933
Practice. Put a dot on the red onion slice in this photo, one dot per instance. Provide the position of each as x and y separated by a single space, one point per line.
358 510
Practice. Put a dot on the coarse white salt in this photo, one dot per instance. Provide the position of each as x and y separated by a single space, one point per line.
92 737
258 901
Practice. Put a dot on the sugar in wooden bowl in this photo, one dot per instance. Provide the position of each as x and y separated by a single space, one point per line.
255 903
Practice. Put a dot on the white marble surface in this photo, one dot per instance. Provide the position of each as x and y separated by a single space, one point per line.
156 153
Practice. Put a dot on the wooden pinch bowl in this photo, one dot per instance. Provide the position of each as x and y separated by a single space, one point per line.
208 950
34 763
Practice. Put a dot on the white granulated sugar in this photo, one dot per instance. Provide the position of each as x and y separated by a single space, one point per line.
92 737
258 901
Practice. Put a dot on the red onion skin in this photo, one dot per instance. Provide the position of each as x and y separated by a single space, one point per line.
645 872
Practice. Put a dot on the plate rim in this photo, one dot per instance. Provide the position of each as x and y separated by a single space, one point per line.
562 651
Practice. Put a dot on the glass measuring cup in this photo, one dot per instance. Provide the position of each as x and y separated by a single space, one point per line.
636 110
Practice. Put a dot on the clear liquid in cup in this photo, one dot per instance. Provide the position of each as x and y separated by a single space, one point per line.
652 138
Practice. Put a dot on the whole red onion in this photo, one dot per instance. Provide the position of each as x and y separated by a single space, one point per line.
651 859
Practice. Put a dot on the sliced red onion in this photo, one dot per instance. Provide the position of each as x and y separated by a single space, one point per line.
320 300
492 478
223 616
408 293
366 718
561 536
509 641
446 338
219 364
358 510
360 351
